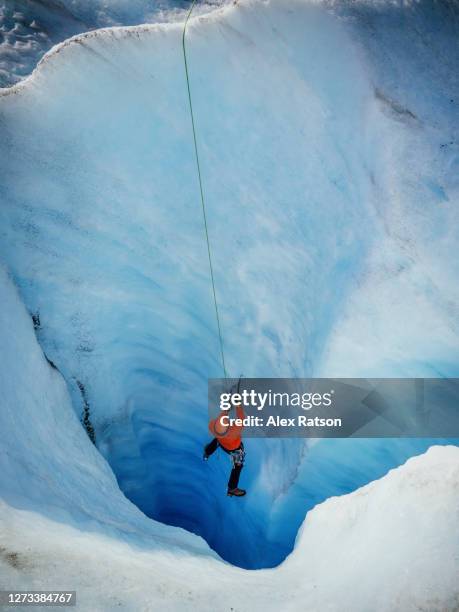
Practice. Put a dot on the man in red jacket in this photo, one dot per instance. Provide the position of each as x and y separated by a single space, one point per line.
228 437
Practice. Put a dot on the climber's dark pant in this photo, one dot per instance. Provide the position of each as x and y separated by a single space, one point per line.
234 477
211 447
236 471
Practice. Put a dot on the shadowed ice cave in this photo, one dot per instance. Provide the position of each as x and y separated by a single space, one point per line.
329 154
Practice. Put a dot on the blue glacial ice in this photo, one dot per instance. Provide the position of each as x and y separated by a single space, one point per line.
64 521
328 135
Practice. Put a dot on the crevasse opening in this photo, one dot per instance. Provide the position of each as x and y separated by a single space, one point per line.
316 219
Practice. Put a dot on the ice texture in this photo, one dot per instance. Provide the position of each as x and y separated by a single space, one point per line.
329 149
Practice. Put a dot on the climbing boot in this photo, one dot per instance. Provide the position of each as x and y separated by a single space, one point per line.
236 492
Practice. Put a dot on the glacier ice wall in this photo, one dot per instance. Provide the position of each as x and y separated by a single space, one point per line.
48 466
331 185
64 520
402 319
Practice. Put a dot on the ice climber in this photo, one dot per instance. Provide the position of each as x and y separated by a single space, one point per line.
228 438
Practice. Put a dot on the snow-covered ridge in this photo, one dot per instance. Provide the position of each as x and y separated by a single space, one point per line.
114 32
28 29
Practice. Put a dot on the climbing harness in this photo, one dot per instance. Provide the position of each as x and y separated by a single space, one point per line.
201 190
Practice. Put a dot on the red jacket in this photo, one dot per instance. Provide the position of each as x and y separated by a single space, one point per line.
228 436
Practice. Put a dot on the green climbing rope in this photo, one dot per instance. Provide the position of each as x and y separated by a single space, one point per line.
203 205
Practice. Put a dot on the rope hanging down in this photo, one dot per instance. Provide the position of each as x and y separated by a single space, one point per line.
198 165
